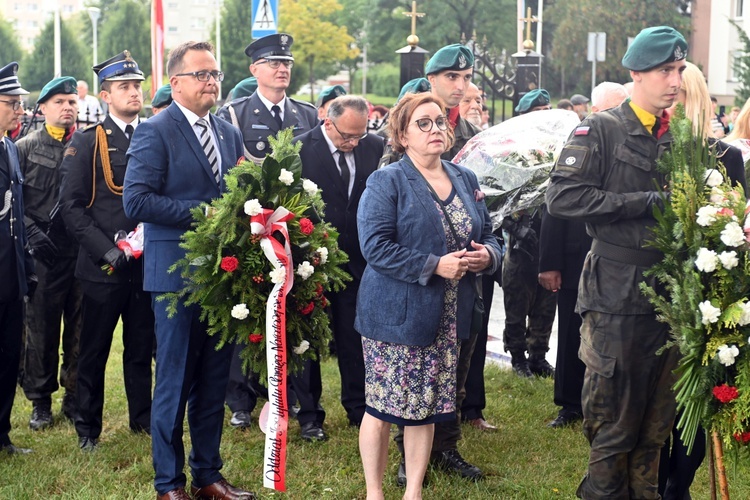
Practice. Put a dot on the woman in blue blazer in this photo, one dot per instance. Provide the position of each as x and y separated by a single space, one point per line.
425 234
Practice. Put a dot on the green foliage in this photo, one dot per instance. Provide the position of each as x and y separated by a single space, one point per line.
223 232
39 67
742 67
706 300
382 79
126 26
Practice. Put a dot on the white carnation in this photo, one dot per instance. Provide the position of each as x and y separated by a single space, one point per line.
310 187
717 196
240 311
305 270
323 252
278 275
727 354
709 312
706 260
286 177
745 318
302 347
729 259
732 235
706 215
714 178
253 207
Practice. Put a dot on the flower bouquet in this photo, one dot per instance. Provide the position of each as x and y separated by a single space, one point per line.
702 232
228 271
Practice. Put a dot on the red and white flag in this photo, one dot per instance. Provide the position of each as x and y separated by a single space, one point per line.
157 45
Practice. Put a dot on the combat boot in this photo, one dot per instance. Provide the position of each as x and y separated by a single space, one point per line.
41 415
520 365
539 366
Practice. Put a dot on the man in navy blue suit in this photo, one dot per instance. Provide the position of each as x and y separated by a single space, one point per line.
176 162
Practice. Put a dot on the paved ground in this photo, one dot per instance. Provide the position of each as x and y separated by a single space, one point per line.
495 351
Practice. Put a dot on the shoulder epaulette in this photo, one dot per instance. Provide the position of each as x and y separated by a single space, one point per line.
305 103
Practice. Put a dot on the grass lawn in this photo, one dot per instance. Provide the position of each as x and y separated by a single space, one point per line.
523 460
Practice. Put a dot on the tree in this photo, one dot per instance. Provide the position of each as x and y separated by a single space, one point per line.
11 49
742 67
620 19
39 66
235 36
316 38
127 26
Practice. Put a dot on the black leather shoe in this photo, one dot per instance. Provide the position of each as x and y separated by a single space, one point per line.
521 367
313 431
41 416
565 418
452 461
541 368
401 474
11 449
240 419
86 443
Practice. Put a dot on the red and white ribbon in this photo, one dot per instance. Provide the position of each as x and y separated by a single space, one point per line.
279 255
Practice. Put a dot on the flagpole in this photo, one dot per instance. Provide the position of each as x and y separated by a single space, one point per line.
218 40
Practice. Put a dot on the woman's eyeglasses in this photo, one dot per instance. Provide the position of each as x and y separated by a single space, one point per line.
425 124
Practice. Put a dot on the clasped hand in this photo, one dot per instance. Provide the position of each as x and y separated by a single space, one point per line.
455 265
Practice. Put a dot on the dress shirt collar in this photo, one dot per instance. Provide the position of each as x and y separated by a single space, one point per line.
121 124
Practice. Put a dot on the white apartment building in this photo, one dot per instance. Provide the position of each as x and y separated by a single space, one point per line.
28 17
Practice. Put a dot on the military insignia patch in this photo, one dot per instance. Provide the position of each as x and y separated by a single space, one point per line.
572 158
256 111
582 131
679 54
461 61
70 152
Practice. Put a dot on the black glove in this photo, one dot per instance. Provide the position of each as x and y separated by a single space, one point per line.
116 258
31 282
41 247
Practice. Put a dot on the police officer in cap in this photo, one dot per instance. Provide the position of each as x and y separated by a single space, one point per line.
91 202
16 264
269 110
58 295
606 177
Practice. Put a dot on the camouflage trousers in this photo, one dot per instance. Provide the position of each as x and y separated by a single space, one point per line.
628 403
529 308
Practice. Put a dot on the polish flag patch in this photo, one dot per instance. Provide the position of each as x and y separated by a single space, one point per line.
582 131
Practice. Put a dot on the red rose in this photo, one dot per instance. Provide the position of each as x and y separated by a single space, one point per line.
306 226
742 437
319 289
255 338
307 309
240 160
323 301
725 393
229 264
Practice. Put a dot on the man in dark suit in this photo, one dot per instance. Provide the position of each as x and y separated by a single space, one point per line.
91 205
264 113
176 162
16 264
338 155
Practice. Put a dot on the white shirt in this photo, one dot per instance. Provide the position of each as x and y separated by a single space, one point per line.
192 118
349 157
89 109
268 104
121 124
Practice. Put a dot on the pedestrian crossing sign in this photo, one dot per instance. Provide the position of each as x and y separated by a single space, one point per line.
265 13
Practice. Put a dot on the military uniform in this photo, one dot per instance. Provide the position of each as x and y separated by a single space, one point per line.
91 203
605 176
59 293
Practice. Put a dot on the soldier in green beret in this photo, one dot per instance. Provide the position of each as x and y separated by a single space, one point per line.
326 96
162 99
534 100
606 176
415 86
59 295
245 88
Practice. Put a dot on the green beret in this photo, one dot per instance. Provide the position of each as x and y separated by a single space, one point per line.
162 97
61 85
328 94
532 99
416 86
455 57
653 47
245 88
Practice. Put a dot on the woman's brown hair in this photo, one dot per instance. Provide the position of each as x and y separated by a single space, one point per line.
400 118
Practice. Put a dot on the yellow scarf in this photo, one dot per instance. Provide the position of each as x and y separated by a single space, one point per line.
647 119
57 133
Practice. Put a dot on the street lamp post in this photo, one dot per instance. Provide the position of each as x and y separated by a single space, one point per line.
94 13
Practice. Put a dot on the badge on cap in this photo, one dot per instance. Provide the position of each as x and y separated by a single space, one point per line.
260 146
461 61
284 39
679 54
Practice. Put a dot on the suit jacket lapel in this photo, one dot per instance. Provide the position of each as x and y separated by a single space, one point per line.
328 164
115 136
290 115
422 193
192 140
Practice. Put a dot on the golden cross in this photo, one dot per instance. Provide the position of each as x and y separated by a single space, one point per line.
528 20
414 15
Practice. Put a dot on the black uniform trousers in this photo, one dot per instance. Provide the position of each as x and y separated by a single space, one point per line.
103 305
11 327
243 389
57 295
569 369
475 401
349 352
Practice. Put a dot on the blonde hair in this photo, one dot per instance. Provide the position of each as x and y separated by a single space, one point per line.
697 100
741 128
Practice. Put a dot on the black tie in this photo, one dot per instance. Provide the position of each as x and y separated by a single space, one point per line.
129 131
277 114
655 130
344 167
4 154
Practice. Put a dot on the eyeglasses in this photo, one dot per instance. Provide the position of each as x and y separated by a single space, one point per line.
16 105
425 124
204 76
275 63
349 137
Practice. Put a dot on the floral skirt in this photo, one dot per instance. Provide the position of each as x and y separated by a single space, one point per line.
413 385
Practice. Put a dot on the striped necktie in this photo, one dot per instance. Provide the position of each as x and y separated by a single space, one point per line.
207 143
